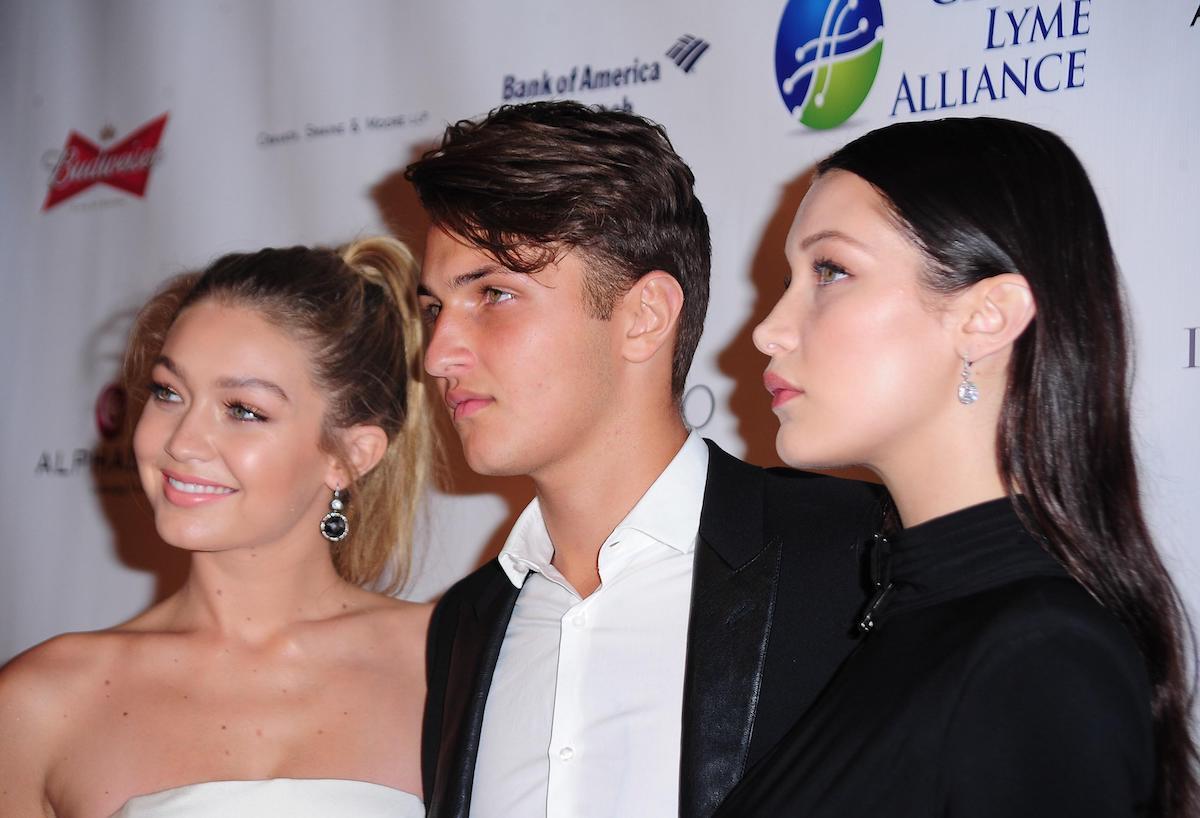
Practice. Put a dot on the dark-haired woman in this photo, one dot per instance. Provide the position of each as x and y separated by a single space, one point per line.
284 441
953 321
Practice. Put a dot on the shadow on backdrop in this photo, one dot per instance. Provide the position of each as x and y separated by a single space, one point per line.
401 211
743 363
749 402
114 474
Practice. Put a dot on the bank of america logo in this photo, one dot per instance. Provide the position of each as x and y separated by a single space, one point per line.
686 51
826 56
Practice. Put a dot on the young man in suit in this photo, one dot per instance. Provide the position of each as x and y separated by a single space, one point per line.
662 612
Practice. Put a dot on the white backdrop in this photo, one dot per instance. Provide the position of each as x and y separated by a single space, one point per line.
289 122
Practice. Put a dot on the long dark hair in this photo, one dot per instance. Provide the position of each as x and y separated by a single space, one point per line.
985 196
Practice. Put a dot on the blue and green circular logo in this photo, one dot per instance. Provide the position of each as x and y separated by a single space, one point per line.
826 57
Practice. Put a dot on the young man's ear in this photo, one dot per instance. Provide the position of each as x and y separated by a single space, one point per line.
992 314
650 311
364 446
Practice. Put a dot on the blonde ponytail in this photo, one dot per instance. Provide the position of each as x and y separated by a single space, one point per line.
388 498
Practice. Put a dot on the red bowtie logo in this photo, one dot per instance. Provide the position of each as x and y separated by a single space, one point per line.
125 166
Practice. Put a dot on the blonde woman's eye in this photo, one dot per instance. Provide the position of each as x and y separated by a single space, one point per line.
491 295
240 411
827 272
163 393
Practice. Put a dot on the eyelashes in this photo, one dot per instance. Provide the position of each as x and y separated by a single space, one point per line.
244 412
489 295
825 272
494 295
162 393
236 409
828 272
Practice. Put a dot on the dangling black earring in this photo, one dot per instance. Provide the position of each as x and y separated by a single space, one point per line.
334 525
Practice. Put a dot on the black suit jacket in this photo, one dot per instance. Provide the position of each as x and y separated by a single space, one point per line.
775 594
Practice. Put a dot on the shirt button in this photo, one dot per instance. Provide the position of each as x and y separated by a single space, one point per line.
566 753
579 620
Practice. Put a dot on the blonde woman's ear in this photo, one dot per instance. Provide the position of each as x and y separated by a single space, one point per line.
364 446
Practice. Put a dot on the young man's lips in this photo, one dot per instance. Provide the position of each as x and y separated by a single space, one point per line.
182 490
469 406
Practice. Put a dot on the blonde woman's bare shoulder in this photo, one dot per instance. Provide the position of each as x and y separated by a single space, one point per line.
399 622
44 693
58 669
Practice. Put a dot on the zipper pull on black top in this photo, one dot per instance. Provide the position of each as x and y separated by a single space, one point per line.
881 580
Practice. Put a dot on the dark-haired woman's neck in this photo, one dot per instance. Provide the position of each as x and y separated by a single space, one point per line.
932 484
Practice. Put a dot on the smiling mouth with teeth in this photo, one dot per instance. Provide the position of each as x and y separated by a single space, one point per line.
197 488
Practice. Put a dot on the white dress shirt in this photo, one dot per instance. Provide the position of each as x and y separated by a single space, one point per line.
584 714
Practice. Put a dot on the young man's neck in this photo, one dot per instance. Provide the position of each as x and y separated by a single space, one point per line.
583 501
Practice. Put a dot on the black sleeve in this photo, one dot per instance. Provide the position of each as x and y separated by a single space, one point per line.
1052 725
437 656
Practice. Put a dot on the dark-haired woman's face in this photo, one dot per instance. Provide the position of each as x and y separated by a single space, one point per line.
863 365
228 445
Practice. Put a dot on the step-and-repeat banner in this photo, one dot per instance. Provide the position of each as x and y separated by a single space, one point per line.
140 138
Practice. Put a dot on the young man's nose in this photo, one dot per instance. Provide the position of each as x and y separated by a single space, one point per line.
449 351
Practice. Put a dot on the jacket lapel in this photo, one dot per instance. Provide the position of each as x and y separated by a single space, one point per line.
476 647
733 597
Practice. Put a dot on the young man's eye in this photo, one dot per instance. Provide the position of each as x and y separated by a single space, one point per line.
164 394
429 312
491 295
827 272
240 411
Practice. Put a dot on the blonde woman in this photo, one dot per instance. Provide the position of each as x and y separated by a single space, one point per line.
284 441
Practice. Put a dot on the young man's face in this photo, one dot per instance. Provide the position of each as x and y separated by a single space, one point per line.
526 373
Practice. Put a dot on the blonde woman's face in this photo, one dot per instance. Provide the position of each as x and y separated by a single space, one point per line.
227 447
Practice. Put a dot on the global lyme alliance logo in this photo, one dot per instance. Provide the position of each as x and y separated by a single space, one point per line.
826 56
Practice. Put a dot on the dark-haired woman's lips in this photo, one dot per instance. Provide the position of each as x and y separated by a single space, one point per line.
781 391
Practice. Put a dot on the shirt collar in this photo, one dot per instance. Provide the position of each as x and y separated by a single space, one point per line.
669 513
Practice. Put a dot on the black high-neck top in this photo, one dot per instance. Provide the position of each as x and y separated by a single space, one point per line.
990 684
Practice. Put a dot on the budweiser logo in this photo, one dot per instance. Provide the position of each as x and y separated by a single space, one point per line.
125 166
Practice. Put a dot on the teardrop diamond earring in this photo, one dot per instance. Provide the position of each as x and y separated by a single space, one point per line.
968 392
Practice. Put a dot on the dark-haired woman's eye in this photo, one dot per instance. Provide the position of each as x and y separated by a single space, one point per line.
240 411
828 272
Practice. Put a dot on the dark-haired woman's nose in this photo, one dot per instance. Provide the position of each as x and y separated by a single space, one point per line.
778 332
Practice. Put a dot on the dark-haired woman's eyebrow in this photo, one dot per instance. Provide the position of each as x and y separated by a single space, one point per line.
822 235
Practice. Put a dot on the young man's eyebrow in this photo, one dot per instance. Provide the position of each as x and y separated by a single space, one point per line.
468 277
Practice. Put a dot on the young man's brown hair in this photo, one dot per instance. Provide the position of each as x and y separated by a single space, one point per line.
530 182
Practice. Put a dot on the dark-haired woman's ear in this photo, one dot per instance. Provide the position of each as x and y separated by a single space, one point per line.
992 314
364 446
650 312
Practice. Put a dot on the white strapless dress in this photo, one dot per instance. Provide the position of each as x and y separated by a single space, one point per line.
276 798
